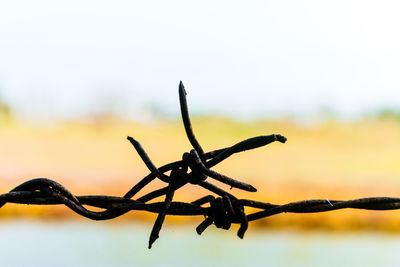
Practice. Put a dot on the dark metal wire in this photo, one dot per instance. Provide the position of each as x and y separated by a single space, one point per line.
194 168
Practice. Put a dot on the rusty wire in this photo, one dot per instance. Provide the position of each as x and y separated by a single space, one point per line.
194 168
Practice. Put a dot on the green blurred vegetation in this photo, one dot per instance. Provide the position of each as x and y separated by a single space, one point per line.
389 113
5 114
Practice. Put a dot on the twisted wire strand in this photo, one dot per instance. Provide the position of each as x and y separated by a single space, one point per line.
44 191
221 210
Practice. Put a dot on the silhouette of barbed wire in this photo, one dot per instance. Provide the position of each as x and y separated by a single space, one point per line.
194 168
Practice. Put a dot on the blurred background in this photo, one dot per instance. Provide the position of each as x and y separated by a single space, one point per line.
77 77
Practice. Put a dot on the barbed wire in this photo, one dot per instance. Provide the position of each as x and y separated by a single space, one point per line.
194 168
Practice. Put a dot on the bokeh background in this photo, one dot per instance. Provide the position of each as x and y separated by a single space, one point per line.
77 77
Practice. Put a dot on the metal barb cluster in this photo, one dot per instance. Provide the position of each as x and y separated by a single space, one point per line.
195 168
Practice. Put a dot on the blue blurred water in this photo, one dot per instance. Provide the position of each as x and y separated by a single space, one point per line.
115 244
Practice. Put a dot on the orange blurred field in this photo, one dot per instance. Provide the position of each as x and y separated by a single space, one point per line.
333 160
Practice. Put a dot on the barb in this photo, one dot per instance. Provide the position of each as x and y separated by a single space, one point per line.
194 168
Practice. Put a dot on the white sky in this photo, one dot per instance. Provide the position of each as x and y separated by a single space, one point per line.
267 57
